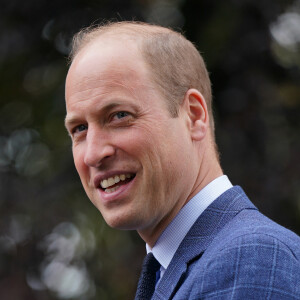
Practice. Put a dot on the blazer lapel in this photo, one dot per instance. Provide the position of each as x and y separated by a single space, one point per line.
210 222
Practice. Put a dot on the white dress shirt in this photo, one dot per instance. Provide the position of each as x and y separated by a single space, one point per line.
172 236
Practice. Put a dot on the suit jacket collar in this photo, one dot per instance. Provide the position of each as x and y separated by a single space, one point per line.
210 222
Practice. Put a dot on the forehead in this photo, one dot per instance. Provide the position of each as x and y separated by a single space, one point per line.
110 70
110 60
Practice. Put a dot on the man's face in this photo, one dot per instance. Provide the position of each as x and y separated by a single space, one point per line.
133 158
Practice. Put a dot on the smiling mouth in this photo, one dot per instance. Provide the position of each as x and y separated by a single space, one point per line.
111 184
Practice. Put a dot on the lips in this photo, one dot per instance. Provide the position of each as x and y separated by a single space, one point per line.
111 183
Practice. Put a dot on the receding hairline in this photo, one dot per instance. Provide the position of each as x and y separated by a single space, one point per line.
151 39
134 31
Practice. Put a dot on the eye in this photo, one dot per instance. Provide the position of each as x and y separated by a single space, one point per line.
121 114
79 128
121 118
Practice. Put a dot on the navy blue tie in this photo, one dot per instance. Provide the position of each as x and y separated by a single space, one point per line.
148 278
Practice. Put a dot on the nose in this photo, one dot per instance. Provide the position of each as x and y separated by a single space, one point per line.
98 147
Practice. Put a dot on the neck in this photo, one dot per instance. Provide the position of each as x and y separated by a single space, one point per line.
207 170
150 236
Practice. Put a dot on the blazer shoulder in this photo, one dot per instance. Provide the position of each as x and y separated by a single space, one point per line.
251 225
250 257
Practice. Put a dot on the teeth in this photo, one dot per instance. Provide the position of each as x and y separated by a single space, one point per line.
113 180
104 184
110 181
111 190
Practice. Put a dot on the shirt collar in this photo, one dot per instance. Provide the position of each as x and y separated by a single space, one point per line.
172 236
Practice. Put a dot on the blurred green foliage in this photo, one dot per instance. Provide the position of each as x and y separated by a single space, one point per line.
53 242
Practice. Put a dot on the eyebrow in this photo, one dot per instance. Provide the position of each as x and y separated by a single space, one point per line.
73 119
70 121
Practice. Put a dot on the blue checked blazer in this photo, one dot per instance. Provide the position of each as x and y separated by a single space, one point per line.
234 252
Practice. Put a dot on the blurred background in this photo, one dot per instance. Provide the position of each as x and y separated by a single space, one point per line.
53 242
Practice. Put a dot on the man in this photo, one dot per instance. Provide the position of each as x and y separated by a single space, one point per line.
139 113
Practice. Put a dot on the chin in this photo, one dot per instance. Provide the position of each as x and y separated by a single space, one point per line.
123 222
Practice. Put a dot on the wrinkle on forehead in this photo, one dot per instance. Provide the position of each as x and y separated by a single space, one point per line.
93 86
95 67
110 77
113 72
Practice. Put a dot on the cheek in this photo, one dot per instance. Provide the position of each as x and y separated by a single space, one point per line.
83 172
135 143
78 157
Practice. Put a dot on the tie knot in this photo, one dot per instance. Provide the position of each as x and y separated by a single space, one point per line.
150 263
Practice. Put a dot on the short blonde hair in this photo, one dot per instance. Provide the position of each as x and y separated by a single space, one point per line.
174 62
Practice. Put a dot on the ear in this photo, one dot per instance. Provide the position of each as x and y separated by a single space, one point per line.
196 109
